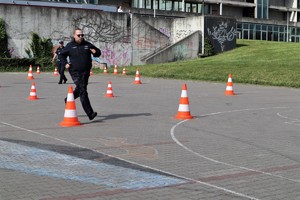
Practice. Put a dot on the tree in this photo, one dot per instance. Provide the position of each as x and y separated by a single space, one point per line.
4 53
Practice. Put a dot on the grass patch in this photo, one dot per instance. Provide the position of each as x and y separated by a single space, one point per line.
252 62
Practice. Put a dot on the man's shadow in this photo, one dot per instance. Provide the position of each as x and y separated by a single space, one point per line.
113 116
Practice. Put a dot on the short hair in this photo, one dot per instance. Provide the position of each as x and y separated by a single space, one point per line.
77 29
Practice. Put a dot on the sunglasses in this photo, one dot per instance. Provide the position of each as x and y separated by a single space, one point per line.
80 35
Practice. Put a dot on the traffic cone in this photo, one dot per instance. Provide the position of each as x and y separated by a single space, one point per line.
30 74
70 117
124 71
183 109
32 94
91 72
55 72
137 79
104 70
38 70
229 86
116 69
109 92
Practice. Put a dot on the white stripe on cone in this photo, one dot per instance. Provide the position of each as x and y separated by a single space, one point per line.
70 113
183 107
70 97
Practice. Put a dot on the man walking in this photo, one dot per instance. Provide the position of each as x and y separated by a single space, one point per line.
61 68
79 52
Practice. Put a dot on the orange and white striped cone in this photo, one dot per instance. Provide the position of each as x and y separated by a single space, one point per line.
32 94
116 69
38 70
124 71
91 72
229 86
109 92
55 73
183 109
70 116
137 79
30 74
104 70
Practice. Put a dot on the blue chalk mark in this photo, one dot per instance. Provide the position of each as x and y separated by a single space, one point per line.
47 163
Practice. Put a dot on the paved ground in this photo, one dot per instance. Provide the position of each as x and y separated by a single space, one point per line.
237 147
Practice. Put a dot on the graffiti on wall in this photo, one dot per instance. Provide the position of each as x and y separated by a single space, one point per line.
99 28
165 31
113 37
180 34
222 33
115 55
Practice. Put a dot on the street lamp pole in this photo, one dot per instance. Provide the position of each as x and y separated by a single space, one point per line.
287 25
203 7
203 27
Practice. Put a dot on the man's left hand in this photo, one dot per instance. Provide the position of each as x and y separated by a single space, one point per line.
93 51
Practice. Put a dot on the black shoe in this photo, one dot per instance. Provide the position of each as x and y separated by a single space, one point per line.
93 115
60 82
65 81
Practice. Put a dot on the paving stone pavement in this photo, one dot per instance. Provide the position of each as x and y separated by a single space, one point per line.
237 147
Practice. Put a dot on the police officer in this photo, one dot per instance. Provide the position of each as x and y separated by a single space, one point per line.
61 68
79 52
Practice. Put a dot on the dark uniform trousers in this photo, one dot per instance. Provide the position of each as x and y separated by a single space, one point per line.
81 82
61 71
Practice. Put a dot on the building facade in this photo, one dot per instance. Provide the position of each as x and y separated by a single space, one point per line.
273 20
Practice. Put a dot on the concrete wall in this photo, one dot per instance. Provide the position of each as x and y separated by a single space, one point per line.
123 40
187 48
183 27
108 31
149 34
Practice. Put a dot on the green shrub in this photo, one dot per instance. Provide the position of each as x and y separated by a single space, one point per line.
4 53
16 64
208 47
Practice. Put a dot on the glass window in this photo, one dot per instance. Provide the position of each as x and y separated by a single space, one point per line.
135 3
194 8
270 28
281 37
264 27
168 5
155 4
176 6
259 11
162 5
270 36
187 7
245 34
245 26
275 36
252 34
281 29
264 35
239 26
258 27
200 8
262 9
148 4
257 35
